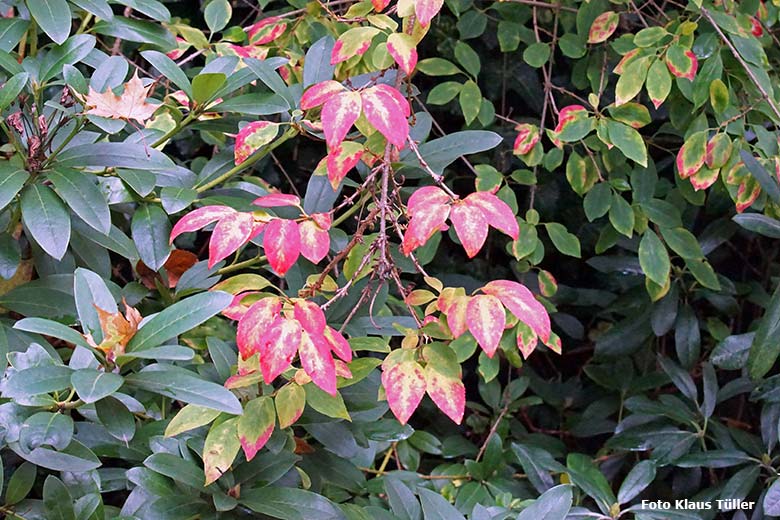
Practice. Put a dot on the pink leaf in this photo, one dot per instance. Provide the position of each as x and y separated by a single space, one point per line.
310 316
254 325
341 159
229 234
237 309
318 94
426 10
315 241
403 49
252 137
266 31
338 115
317 362
486 320
199 218
603 27
423 224
405 387
275 200
470 226
527 137
386 115
496 211
278 349
338 344
456 315
521 302
400 101
282 244
425 196
448 393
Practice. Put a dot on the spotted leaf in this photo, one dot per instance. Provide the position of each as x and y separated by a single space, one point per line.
426 10
603 27
341 159
282 244
521 302
315 241
256 425
404 385
456 315
692 154
747 193
718 151
681 62
526 339
426 217
266 30
252 137
527 137
704 178
310 316
486 319
497 213
338 344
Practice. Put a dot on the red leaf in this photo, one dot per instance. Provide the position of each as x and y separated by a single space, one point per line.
237 309
338 344
401 103
486 319
230 233
386 114
428 210
456 315
315 241
405 387
317 362
310 316
275 200
266 31
566 114
527 137
403 49
318 94
380 5
341 159
252 137
470 226
282 244
278 347
603 27
338 115
426 10
521 302
496 211
199 218
448 393
254 324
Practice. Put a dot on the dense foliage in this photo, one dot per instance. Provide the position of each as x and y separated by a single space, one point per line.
389 260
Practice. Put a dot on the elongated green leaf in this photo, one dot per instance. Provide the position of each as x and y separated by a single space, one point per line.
292 504
554 504
190 417
11 31
83 196
92 385
150 229
440 153
116 155
53 16
47 219
767 182
766 348
140 31
51 328
179 318
12 180
169 69
12 88
628 141
653 258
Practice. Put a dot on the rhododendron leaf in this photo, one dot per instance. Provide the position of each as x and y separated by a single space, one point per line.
498 214
351 43
338 115
603 27
527 137
428 210
199 218
447 393
252 137
310 316
290 401
278 347
403 49
230 233
718 151
282 244
691 155
254 325
341 159
338 344
315 241
130 105
404 385
318 94
317 361
659 83
486 319
256 425
276 200
385 114
521 302
470 225
681 62
426 10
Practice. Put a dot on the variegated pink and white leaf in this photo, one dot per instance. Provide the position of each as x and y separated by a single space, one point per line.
282 244
338 115
404 385
199 218
521 302
486 319
230 233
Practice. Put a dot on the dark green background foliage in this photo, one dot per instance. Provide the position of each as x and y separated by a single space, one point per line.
666 303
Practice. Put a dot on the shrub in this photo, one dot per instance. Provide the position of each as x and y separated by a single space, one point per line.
325 260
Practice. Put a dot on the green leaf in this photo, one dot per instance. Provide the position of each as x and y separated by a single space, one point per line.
682 242
766 348
653 258
553 504
631 81
179 318
436 507
99 8
703 272
767 182
719 96
256 425
205 85
36 380
220 449
758 223
176 468
640 476
536 54
663 213
175 199
114 155
470 99
83 197
597 201
468 58
291 504
20 483
772 499
48 297
437 67
140 31
46 429
12 88
255 104
53 17
169 69
444 92
659 82
51 328
11 31
565 242
183 385
621 215
12 180
687 337
190 417
75 49
57 500
326 404
76 458
217 14
151 230
44 214
117 419
92 385
586 475
443 151
628 141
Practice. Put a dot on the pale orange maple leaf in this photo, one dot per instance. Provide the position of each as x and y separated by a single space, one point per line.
130 105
